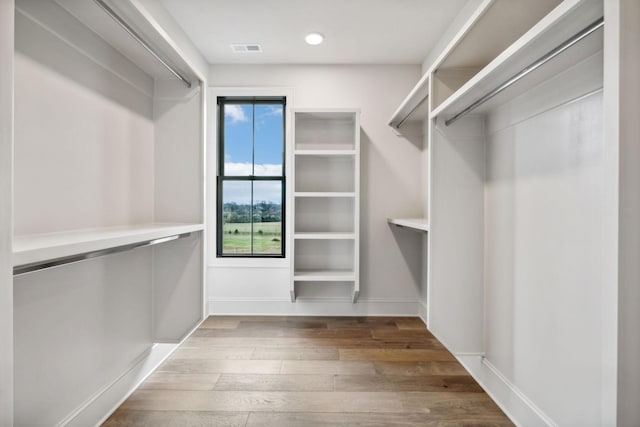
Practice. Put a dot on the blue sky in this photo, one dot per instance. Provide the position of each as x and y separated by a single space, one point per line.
267 139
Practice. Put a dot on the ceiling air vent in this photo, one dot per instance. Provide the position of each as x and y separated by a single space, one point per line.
246 48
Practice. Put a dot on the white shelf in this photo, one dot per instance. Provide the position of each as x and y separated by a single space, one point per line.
563 22
326 177
42 247
324 194
415 106
420 224
106 28
324 276
326 152
324 235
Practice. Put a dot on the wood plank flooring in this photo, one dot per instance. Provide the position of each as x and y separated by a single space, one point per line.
310 372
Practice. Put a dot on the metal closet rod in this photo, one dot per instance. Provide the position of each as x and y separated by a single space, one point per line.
413 110
140 40
528 69
41 265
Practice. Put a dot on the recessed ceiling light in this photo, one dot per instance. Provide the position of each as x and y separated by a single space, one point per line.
314 38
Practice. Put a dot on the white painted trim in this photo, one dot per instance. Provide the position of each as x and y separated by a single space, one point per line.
211 167
513 402
423 313
314 307
101 405
7 15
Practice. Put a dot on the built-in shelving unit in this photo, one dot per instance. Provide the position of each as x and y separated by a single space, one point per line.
326 170
516 93
108 205
419 224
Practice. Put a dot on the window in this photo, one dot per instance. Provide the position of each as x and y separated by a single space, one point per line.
251 177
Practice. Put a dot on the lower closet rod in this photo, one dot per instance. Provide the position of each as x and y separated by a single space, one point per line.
41 265
528 69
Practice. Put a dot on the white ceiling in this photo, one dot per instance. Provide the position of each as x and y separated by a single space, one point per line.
356 31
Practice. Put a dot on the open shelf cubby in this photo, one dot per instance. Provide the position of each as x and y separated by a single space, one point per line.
326 198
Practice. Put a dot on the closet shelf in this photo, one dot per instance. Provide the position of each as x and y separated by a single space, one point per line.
566 20
414 106
419 224
324 276
137 37
323 147
34 248
321 152
324 194
324 235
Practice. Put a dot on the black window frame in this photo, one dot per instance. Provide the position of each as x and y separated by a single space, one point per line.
221 177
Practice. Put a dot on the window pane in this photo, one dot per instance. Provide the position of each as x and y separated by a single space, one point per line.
238 139
268 139
267 217
236 217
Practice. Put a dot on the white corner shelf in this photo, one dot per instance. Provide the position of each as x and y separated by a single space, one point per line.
324 236
419 224
570 17
36 248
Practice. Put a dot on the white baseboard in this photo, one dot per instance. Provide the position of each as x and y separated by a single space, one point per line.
100 406
313 307
514 403
423 313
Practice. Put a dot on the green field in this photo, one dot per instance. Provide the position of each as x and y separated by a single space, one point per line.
267 238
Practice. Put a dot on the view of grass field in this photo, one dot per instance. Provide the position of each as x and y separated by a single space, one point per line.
267 238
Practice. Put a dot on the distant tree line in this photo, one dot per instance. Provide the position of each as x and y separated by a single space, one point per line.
242 213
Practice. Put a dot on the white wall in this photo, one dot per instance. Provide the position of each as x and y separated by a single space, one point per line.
6 210
623 104
461 18
391 185
546 245
84 136
78 329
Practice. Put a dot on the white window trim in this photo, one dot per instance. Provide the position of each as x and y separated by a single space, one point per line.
212 149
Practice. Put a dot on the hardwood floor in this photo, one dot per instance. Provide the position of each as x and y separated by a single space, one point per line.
310 372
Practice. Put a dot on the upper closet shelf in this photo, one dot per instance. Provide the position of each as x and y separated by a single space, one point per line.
138 36
540 53
39 248
415 105
420 224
